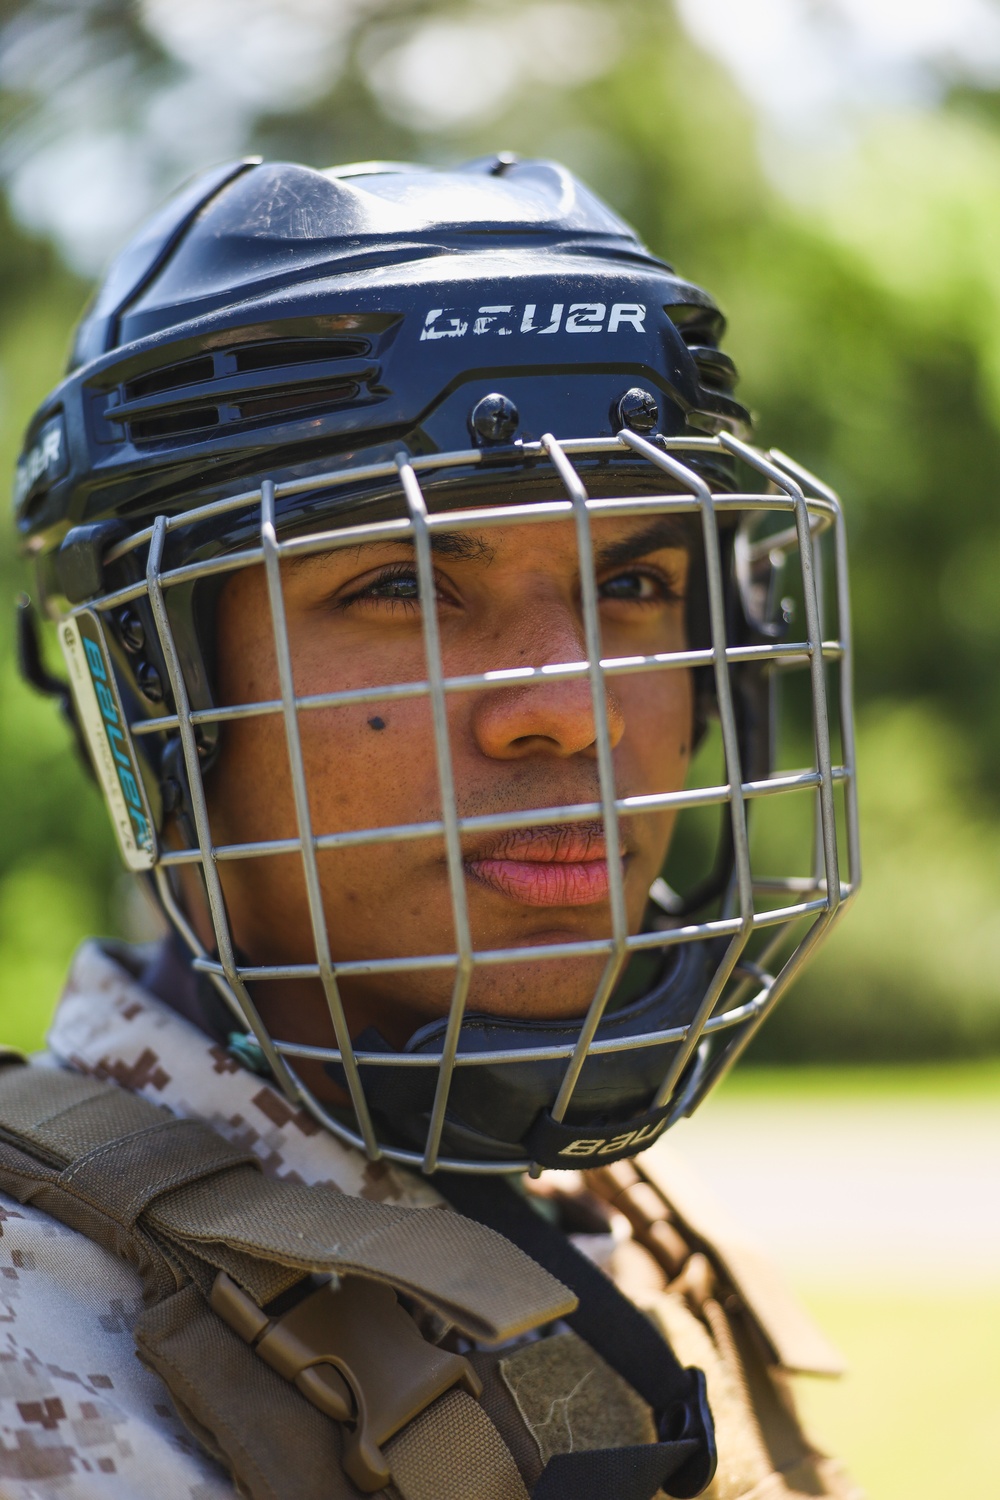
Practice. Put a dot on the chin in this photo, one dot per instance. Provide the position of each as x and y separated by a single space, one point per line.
554 988
547 989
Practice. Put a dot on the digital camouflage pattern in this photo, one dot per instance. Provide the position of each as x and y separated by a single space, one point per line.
82 1419
109 1027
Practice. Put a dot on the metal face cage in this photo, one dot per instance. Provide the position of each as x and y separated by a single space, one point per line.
754 917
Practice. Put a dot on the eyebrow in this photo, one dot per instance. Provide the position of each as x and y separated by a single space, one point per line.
665 531
467 546
464 545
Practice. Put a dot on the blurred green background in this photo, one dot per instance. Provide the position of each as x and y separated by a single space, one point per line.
830 170
834 185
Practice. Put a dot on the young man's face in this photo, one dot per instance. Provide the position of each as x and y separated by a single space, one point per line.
507 597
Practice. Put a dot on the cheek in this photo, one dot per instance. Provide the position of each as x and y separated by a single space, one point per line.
369 766
363 763
659 713
246 667
249 789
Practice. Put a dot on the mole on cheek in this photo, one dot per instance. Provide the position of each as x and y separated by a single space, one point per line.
376 723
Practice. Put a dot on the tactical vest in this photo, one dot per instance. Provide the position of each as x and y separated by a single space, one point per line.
318 1344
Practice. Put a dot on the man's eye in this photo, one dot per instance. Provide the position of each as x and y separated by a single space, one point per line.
394 586
637 587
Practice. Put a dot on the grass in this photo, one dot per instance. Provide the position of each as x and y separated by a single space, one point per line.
935 1082
919 1414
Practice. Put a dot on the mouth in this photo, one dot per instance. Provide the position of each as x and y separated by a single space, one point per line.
560 866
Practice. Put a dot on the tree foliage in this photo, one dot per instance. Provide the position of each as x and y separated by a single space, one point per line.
866 325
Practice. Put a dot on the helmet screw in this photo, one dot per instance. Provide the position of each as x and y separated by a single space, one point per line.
494 419
150 682
133 637
637 410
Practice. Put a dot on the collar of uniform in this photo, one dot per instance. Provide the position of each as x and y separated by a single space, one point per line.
109 1026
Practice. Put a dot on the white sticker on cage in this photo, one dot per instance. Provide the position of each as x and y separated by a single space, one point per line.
98 705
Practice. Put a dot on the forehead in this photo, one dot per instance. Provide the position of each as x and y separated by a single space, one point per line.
523 542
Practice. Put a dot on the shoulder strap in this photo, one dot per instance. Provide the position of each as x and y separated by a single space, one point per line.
621 1334
658 1187
211 1236
208 1231
91 1148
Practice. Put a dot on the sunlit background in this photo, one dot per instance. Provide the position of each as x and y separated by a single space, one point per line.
830 170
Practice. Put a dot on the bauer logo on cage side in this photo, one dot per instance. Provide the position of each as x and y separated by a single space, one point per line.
106 729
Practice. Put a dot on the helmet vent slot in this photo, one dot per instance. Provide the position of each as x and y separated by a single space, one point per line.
170 377
296 352
172 423
716 370
289 401
697 325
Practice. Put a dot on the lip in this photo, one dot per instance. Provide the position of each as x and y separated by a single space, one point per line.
562 866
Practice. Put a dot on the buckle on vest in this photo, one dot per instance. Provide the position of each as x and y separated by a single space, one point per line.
357 1356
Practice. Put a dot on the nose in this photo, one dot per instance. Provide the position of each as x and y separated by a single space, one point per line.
553 717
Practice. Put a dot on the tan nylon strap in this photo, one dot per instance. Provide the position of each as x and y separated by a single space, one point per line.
65 1115
281 1448
124 1176
472 1276
170 1193
263 1280
264 1232
452 1451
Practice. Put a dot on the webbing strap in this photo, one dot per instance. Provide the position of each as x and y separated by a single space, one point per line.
279 1446
622 1473
30 1181
207 1203
172 1196
612 1325
452 1451
124 1176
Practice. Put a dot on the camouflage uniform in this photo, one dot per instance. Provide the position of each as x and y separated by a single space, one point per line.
80 1417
